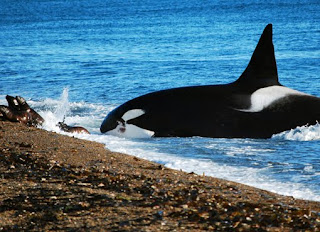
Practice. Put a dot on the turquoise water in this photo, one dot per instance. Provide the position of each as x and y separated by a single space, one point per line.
81 59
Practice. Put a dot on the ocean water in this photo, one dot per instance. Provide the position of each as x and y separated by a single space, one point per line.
80 59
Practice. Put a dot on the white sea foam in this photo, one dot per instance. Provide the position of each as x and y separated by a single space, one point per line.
301 133
236 150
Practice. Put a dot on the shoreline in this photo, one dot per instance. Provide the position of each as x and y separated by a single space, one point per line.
56 182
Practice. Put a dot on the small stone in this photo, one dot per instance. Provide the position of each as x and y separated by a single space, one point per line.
185 206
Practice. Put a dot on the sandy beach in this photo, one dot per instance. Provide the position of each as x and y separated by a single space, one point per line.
53 182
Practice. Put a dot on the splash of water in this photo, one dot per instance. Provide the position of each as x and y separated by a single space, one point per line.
62 109
301 133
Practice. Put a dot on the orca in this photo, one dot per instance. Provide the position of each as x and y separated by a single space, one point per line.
256 105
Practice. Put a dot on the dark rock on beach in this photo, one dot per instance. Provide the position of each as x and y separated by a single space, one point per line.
55 182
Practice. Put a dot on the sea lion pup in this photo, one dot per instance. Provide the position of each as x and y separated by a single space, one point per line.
72 129
14 115
34 118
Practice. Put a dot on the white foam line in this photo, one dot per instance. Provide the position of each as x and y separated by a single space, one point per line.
301 133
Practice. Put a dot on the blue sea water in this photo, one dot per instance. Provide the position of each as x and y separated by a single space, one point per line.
79 59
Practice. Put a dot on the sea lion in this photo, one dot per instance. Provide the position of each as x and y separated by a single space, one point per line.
35 118
72 129
14 115
12 102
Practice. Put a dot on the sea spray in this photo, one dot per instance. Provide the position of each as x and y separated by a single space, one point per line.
63 107
61 110
300 133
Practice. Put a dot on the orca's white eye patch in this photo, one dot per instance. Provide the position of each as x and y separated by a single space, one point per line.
129 130
131 114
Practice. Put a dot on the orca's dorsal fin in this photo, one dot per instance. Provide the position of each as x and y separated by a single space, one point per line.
262 68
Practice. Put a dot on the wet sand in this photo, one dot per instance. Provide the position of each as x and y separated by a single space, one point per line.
54 182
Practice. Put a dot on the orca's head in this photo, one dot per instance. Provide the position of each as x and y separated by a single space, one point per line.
119 117
126 121
111 121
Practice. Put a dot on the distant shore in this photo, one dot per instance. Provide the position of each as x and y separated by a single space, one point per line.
56 182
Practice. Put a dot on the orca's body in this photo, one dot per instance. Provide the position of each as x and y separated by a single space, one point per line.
254 106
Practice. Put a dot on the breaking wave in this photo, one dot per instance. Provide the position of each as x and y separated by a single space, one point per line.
301 133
